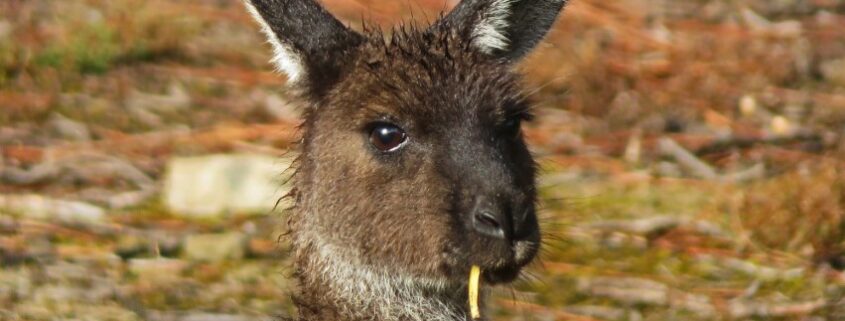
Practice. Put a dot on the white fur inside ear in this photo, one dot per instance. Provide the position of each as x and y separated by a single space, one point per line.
489 33
284 57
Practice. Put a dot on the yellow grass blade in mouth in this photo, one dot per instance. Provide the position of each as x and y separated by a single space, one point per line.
474 275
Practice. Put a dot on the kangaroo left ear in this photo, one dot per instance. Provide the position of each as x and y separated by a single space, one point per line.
507 29
310 44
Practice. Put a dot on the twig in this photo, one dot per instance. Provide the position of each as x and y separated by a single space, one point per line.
656 226
741 310
740 142
535 309
697 167
37 174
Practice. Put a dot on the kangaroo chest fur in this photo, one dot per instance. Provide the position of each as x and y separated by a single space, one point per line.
336 286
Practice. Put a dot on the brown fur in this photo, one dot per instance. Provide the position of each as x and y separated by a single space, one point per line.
389 236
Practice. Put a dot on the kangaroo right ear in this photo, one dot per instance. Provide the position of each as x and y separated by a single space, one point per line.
506 29
310 45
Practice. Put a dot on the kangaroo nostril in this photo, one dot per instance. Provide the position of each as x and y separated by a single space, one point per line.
488 219
486 223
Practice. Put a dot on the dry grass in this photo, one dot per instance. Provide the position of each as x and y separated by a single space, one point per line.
800 211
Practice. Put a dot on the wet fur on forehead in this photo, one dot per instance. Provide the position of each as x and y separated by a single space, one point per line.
414 70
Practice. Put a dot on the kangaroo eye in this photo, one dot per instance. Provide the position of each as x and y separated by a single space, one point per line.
387 137
512 125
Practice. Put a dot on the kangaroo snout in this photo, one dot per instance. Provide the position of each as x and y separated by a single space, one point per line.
505 222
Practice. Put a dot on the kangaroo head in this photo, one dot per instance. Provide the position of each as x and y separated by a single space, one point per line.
413 164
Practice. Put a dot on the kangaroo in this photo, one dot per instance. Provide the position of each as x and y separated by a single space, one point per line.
412 168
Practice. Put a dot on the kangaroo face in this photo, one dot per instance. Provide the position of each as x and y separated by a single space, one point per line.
422 165
413 159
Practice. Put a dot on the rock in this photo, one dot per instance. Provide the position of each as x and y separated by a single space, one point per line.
781 126
15 251
130 246
761 272
5 29
748 105
834 71
41 208
63 272
700 305
782 29
215 247
55 293
201 316
599 312
158 268
629 291
215 317
158 244
740 309
68 128
15 284
83 312
176 99
216 185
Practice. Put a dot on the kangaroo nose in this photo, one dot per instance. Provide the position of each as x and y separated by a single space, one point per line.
487 223
499 222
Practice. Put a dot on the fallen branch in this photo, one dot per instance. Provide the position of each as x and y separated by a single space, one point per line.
742 310
538 309
686 159
740 142
37 174
656 226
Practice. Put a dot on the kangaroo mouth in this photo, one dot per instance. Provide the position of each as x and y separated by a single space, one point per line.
521 253
501 275
509 270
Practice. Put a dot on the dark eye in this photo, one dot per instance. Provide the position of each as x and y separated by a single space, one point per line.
387 137
512 125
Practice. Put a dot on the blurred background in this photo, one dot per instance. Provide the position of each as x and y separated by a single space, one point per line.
693 164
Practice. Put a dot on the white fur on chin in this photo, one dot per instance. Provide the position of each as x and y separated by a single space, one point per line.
367 292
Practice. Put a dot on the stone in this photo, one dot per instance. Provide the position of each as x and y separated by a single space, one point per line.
68 128
834 71
215 186
626 290
130 246
748 105
599 312
74 311
38 207
157 268
215 317
53 293
215 247
176 99
15 284
5 29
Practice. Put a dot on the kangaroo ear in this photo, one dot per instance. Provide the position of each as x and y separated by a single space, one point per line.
310 45
506 29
